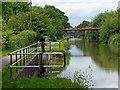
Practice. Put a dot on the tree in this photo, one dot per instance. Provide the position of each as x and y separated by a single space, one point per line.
84 24
55 13
10 8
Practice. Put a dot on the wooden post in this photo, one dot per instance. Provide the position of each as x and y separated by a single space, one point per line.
30 14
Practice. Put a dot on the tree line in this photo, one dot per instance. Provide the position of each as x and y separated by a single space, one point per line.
109 23
47 22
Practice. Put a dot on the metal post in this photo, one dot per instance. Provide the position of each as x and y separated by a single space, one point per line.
50 46
41 65
59 44
28 49
26 53
20 58
24 56
41 60
64 60
36 47
11 65
43 45
16 61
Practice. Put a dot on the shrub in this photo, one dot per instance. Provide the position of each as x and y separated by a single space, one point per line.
28 36
3 42
23 39
115 40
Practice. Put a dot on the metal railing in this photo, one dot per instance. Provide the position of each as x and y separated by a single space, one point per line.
22 56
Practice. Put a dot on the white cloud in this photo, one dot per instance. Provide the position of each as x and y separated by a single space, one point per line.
79 10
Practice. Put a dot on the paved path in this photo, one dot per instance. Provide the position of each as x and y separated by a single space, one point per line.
5 60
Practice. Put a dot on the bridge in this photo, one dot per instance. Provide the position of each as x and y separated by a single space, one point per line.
78 31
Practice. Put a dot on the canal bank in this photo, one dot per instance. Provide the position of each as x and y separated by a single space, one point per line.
36 82
94 59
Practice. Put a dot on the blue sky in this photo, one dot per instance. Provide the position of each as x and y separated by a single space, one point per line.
80 10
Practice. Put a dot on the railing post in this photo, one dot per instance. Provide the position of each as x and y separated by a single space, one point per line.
43 45
41 60
28 49
36 47
24 56
16 62
41 65
59 44
26 53
50 46
20 58
64 60
11 65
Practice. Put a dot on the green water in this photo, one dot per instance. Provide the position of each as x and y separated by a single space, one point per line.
101 58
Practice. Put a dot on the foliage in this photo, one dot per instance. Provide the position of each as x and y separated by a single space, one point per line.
115 40
92 35
109 27
55 13
3 42
108 23
84 24
10 8
58 21
43 22
29 36
83 79
46 22
23 39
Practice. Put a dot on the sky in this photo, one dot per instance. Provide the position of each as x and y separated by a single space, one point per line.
80 10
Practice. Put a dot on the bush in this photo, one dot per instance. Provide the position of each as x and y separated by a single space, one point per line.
28 36
115 40
23 39
3 42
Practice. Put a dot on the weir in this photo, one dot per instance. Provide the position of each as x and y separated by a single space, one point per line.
29 60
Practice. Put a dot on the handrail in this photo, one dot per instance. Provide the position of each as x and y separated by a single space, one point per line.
29 50
22 48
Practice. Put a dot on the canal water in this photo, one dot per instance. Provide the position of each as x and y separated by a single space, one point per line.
94 59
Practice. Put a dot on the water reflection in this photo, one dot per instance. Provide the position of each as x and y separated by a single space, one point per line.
101 54
99 58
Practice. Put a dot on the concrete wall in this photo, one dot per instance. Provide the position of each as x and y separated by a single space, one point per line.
29 72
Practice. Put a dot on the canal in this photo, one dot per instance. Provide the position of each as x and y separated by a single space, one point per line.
95 59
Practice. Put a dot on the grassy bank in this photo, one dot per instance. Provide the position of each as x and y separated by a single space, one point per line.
36 82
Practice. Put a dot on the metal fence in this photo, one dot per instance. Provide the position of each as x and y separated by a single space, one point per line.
24 55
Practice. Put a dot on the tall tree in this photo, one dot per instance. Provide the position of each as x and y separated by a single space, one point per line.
10 8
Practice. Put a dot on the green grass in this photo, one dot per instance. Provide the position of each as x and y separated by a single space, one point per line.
5 53
34 82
